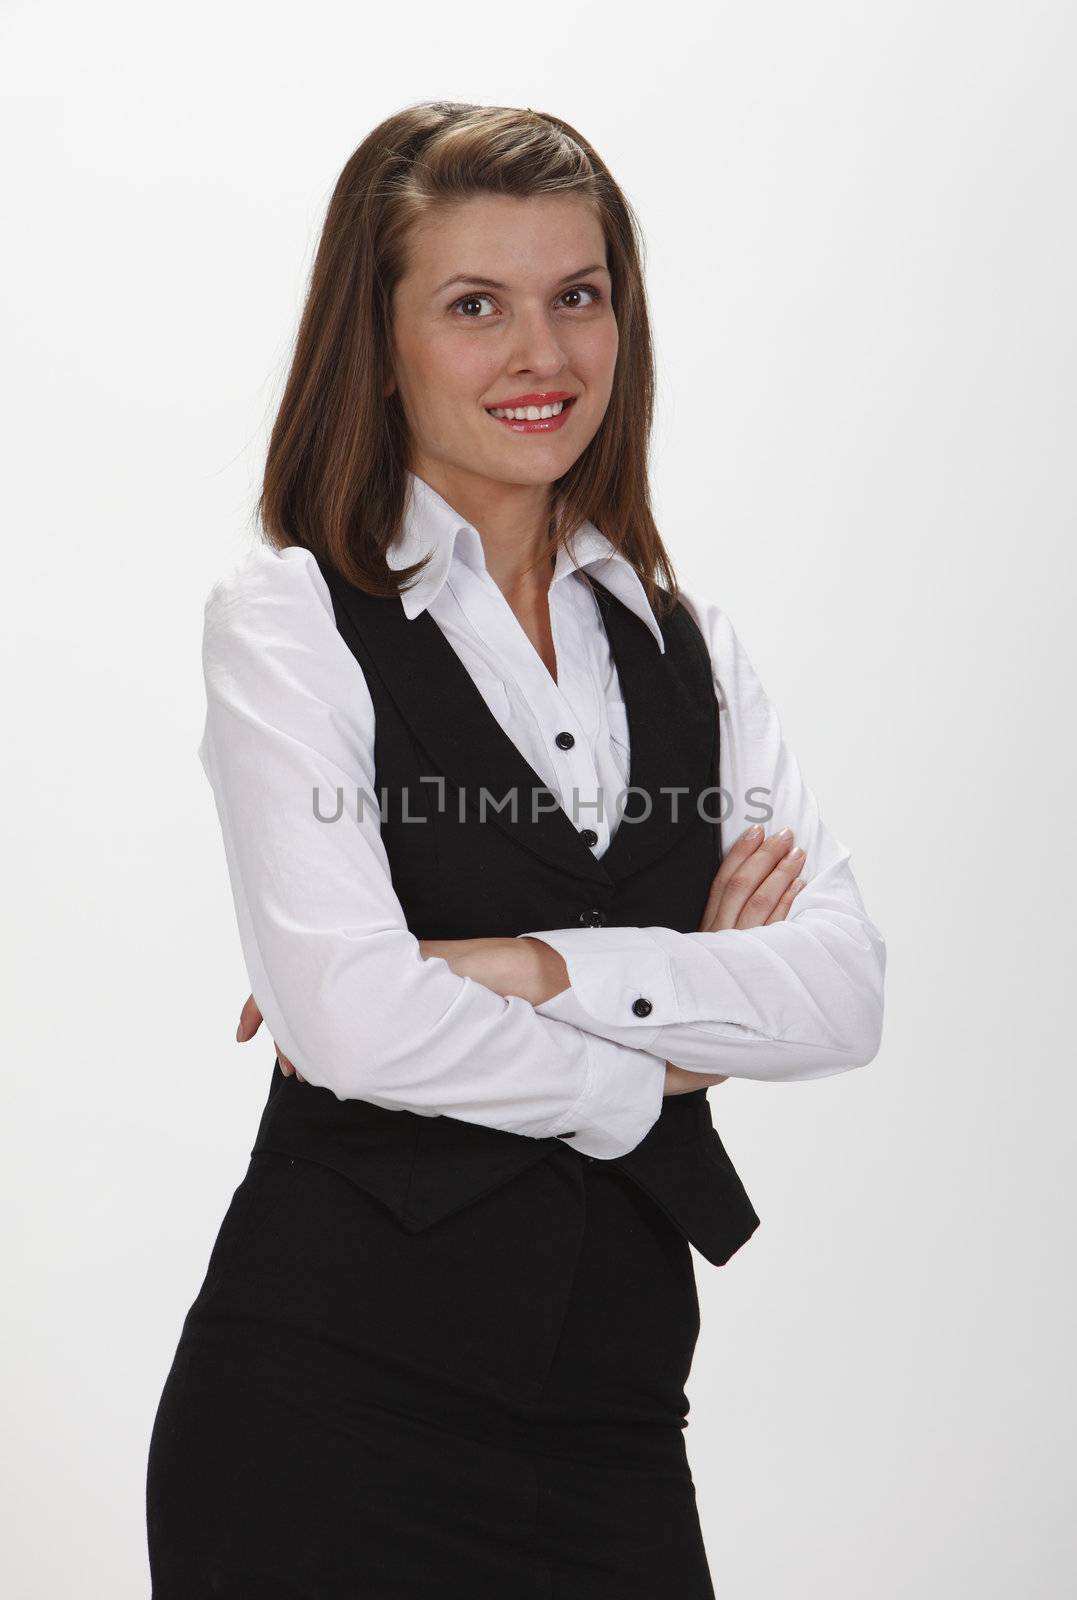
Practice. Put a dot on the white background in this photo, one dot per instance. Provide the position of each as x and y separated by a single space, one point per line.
861 268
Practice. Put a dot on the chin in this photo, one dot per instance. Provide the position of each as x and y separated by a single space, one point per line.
536 474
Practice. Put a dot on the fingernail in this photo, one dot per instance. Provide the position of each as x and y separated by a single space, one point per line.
239 1034
795 855
753 832
786 833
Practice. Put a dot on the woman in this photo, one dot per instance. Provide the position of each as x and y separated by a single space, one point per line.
443 1337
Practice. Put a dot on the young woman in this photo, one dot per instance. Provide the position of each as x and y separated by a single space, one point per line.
486 780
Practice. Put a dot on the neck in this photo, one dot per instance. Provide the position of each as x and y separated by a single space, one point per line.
511 519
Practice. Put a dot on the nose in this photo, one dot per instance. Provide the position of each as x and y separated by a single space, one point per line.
536 345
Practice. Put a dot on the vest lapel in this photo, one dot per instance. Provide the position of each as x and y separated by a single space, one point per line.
671 732
671 729
452 723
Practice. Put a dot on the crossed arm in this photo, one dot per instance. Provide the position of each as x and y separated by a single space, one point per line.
770 988
755 886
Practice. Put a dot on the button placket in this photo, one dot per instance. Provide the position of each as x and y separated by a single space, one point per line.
580 693
580 787
558 707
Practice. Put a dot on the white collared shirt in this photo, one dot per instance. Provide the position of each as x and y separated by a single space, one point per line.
333 967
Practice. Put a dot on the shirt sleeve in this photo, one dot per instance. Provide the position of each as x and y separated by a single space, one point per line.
337 975
802 998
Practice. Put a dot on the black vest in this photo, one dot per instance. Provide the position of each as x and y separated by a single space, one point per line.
473 870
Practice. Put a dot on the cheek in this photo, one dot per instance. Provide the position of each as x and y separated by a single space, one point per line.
595 354
457 369
437 399
441 372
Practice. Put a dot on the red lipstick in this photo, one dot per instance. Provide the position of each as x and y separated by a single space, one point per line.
547 397
539 424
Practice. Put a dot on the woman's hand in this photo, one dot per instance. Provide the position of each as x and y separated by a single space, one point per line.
525 967
250 1020
755 885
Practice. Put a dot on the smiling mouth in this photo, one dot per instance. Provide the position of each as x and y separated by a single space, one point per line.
534 419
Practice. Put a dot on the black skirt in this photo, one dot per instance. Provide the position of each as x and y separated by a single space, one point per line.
492 1408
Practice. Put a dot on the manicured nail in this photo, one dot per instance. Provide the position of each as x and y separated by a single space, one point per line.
753 832
786 833
795 855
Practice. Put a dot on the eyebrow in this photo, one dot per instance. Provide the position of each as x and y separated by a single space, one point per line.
491 283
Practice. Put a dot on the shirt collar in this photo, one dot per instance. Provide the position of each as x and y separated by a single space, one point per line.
431 527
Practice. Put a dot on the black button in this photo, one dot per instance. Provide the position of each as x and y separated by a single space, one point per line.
589 836
642 1008
592 918
564 741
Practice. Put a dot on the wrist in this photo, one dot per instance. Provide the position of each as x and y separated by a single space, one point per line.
547 971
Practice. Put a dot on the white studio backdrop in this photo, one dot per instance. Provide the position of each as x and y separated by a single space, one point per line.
860 258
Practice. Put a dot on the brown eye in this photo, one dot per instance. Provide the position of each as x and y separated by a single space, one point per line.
477 299
470 300
584 288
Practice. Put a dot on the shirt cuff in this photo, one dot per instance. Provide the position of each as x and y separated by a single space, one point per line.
626 983
621 1102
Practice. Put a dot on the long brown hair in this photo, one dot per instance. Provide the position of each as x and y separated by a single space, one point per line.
336 471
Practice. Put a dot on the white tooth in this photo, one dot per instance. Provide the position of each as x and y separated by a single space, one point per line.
529 413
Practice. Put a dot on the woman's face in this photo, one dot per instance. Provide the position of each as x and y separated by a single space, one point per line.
504 297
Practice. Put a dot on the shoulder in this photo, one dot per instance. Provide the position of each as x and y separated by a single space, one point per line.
711 619
734 676
281 683
266 587
270 634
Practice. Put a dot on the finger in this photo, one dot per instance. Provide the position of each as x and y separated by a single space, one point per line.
250 1020
288 1068
679 1080
763 901
744 847
745 879
782 909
